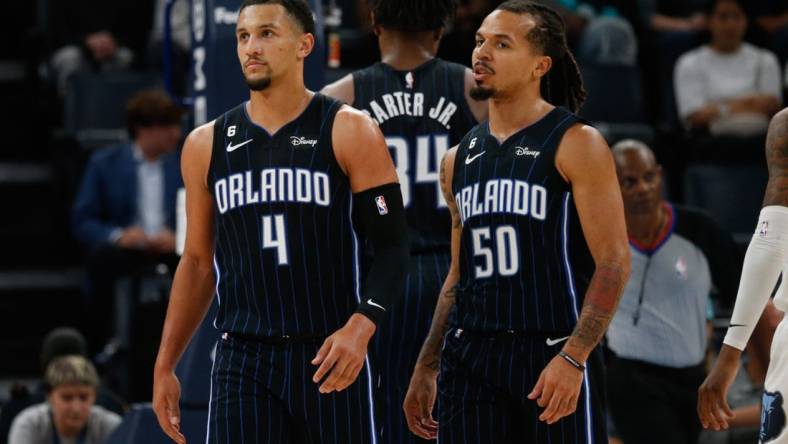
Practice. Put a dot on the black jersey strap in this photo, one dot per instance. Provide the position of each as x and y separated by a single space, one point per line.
382 215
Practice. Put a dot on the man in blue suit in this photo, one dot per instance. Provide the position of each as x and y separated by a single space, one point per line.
124 212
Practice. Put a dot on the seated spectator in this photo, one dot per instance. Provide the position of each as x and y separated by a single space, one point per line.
597 31
59 342
658 336
728 87
96 35
125 208
69 415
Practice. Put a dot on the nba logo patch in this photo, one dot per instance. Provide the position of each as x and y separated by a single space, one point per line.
681 268
409 80
764 230
380 201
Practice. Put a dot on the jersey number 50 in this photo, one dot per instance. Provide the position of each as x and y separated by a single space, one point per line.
505 254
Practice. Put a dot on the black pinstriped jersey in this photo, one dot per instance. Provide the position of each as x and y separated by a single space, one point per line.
422 113
524 262
286 254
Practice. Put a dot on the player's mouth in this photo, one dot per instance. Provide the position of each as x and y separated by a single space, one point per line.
480 71
253 64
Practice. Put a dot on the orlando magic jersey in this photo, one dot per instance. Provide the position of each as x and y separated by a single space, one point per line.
524 262
423 113
285 249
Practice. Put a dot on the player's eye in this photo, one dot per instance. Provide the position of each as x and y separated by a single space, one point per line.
243 37
501 45
479 42
267 33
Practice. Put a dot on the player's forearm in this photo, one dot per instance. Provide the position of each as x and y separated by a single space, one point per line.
190 298
600 305
430 355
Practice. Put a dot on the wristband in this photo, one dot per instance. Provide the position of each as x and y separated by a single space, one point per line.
571 360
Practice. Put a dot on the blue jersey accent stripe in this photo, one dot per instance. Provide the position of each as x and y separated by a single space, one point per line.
357 291
570 280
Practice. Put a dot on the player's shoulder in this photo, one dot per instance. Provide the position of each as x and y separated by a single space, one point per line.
353 126
201 136
584 139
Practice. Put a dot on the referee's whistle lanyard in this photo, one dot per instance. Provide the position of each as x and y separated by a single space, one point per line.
81 439
641 294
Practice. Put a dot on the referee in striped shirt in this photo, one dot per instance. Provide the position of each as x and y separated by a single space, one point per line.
658 336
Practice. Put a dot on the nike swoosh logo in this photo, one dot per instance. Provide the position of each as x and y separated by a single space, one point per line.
736 325
231 147
552 342
369 301
470 159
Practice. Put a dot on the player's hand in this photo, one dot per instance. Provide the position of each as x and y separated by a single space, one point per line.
713 408
166 394
557 390
342 355
419 401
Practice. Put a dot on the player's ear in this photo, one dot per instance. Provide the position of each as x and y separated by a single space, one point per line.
306 45
543 65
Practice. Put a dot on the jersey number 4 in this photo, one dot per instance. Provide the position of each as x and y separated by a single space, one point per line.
505 256
274 237
429 153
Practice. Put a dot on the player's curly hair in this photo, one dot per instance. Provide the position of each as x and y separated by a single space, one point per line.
413 15
298 9
563 84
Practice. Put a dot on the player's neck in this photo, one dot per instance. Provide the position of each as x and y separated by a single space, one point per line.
511 114
405 54
275 106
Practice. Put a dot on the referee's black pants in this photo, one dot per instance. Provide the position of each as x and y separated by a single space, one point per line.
654 404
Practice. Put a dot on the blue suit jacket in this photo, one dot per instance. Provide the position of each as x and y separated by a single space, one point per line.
107 198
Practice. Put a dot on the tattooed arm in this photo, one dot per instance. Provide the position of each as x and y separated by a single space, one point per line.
763 262
423 384
585 161
777 160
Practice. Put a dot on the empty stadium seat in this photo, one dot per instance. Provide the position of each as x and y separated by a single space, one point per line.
95 105
732 194
615 102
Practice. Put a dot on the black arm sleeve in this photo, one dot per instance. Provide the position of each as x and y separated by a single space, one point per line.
382 215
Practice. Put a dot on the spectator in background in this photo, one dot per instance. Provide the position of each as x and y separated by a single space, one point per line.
125 208
59 342
70 413
96 35
728 87
598 31
658 336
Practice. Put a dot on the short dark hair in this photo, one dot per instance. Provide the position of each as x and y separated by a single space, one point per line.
413 15
563 84
151 107
711 5
298 9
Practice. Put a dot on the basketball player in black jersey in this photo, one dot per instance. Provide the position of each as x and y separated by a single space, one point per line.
423 107
539 252
272 187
